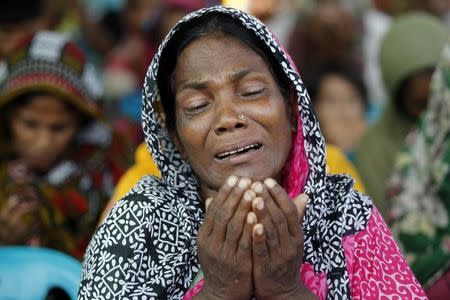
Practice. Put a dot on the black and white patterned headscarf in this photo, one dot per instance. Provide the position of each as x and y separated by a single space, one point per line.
146 248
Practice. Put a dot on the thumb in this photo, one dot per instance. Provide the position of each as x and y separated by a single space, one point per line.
300 202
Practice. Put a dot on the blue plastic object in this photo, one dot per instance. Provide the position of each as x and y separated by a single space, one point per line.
28 273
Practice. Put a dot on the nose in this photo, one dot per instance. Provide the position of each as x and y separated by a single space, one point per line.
227 119
44 140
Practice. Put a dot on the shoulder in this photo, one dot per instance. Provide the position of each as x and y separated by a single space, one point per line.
338 163
150 232
346 206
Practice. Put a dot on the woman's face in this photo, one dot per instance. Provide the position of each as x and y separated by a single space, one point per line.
339 106
217 80
42 131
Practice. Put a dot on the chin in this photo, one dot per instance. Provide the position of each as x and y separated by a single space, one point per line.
41 167
255 175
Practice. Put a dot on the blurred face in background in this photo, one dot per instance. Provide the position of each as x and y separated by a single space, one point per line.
341 111
137 12
42 130
414 94
331 24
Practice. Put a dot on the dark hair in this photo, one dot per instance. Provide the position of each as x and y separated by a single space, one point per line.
341 70
25 99
57 293
16 12
203 26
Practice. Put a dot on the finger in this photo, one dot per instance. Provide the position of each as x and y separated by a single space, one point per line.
236 225
222 194
245 243
260 252
278 221
286 205
10 205
207 203
300 203
224 191
260 209
21 210
224 213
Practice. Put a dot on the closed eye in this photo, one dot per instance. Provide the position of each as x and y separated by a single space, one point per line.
254 93
193 110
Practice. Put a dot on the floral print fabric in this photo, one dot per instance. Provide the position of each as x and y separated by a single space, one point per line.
419 190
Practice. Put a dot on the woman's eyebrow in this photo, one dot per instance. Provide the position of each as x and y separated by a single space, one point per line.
239 75
198 85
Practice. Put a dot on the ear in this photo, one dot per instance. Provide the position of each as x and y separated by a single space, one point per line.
178 144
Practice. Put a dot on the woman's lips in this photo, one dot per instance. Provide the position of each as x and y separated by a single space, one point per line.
238 151
242 156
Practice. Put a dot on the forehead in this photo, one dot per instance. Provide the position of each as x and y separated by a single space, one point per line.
46 107
216 56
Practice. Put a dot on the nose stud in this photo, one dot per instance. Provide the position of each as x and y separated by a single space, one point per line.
242 117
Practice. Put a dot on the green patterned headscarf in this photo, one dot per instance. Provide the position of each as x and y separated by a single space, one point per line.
412 44
419 191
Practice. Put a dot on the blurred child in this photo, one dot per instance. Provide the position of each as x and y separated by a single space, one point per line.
58 161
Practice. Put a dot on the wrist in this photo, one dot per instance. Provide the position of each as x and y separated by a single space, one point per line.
300 291
208 294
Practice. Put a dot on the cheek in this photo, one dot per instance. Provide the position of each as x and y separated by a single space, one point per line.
281 130
191 136
65 138
22 134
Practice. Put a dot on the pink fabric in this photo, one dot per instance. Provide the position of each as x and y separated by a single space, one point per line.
297 168
194 290
378 268
315 282
375 266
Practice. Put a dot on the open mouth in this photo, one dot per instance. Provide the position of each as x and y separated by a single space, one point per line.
238 151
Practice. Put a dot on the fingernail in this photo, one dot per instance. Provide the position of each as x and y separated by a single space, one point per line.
251 218
244 182
270 183
249 195
208 202
232 180
260 204
259 229
257 187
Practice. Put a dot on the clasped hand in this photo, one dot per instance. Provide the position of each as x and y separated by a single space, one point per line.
251 242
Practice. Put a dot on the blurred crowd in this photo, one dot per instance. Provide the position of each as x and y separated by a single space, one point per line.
71 77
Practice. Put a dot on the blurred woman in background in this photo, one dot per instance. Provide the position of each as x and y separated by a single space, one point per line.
419 190
340 101
407 63
58 161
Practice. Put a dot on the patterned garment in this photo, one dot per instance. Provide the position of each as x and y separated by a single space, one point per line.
419 190
146 248
71 196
